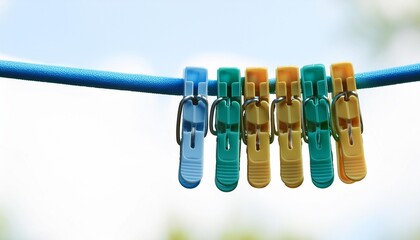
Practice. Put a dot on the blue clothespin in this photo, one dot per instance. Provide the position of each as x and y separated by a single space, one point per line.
227 127
194 106
316 124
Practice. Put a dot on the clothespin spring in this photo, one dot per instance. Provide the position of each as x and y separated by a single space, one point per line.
275 131
213 127
195 99
304 127
243 119
346 96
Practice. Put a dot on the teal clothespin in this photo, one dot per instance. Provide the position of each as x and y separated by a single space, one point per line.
194 106
227 127
316 124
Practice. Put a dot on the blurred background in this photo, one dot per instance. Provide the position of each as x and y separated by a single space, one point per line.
84 163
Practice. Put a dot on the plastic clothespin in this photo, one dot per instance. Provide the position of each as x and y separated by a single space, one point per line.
316 124
194 106
347 124
288 119
227 128
256 126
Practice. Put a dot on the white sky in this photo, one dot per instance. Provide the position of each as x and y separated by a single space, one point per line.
81 163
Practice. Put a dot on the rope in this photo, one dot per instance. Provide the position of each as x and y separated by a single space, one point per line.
168 85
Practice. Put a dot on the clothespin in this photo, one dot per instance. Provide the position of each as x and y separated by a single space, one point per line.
347 124
316 124
256 125
288 119
194 106
227 128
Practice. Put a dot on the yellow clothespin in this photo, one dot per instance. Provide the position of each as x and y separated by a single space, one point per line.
256 126
289 131
347 124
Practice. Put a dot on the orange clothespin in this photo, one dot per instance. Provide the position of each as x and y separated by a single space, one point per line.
256 126
347 124
289 131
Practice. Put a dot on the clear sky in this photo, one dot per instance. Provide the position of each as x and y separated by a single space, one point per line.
81 163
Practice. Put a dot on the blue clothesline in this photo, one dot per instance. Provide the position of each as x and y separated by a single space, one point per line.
167 85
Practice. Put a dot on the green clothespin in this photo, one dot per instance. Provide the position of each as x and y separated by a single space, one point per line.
316 124
227 127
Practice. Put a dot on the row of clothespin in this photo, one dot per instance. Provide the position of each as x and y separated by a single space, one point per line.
313 119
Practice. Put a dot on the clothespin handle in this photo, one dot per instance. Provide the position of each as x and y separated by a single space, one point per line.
256 126
316 128
227 128
193 109
347 124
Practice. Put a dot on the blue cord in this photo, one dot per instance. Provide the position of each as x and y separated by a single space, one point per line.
166 85
91 78
390 76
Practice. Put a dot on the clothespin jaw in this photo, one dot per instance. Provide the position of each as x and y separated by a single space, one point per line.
347 124
227 127
288 119
316 124
194 106
256 126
